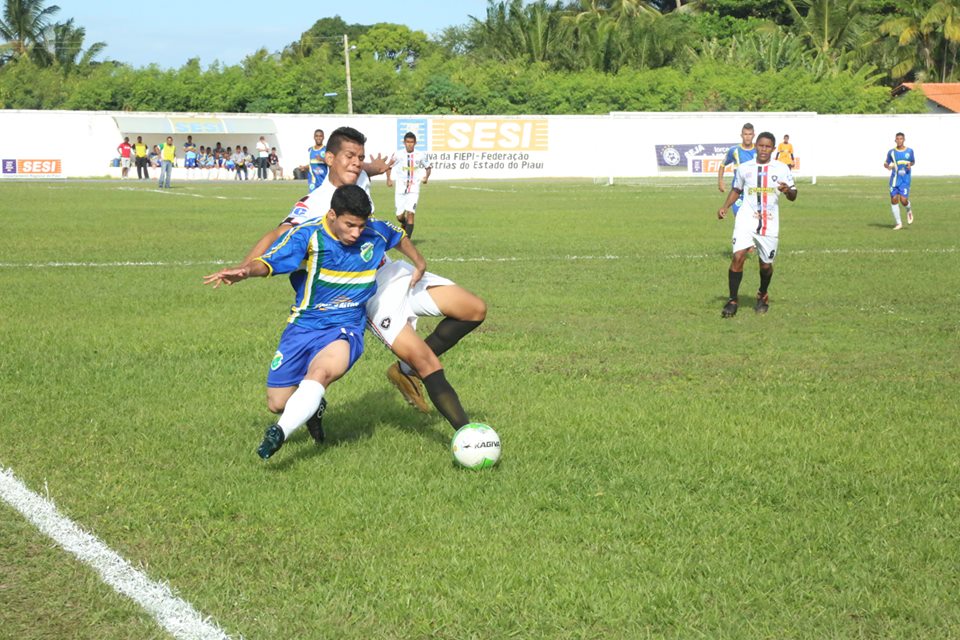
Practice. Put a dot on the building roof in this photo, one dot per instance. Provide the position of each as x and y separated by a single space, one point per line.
945 94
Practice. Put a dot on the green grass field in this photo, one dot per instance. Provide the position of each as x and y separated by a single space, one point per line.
665 473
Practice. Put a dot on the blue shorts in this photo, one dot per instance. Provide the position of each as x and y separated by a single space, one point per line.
190 163
900 190
299 345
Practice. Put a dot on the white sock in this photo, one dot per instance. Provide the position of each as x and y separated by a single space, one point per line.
895 208
909 208
407 369
302 404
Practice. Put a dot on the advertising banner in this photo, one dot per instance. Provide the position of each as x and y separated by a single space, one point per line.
42 168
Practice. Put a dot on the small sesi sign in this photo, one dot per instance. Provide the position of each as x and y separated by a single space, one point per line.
32 168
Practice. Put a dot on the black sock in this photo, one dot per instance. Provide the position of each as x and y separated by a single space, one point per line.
409 229
734 277
448 333
765 276
445 399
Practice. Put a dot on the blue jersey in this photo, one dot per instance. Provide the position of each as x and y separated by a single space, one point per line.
339 278
901 161
737 155
318 167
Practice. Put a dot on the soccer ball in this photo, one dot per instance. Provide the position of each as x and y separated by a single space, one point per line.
475 446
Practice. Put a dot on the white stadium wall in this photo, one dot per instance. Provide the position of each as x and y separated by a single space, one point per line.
83 143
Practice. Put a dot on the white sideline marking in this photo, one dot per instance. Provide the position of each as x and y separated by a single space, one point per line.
177 616
483 189
672 256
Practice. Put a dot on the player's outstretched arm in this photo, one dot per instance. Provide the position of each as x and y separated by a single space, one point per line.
408 249
236 274
378 164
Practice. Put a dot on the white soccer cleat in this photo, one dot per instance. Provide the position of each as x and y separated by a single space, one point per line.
909 217
897 227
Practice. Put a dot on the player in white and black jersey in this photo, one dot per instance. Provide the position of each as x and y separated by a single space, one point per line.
760 183
412 169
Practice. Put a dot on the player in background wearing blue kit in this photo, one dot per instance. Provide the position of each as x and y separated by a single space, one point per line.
324 336
317 168
737 155
900 161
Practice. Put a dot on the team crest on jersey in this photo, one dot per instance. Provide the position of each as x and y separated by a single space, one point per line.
366 251
385 323
277 361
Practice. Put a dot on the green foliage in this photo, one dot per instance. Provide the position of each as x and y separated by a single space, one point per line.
589 56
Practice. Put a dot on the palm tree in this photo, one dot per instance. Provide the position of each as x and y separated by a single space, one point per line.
63 46
927 38
829 27
24 24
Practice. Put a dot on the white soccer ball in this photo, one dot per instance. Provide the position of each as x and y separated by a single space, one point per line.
475 446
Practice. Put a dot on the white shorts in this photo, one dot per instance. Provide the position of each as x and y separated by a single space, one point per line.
406 202
395 304
125 163
766 245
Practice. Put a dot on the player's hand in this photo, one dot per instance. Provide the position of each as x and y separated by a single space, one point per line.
721 187
783 187
379 164
417 274
389 182
721 213
227 276
425 180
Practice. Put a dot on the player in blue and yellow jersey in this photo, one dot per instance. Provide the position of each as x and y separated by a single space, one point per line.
900 162
393 310
340 251
737 155
318 164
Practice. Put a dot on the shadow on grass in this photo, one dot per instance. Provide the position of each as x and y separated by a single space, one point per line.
351 422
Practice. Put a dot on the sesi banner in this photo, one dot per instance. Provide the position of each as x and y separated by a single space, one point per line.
32 168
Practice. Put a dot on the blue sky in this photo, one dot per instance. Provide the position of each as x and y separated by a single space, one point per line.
170 32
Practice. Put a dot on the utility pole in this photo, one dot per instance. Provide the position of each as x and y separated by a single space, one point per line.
346 62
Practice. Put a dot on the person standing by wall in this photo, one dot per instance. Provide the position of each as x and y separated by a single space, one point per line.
167 156
140 151
125 150
263 154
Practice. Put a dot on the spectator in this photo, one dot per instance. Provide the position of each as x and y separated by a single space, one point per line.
240 164
154 157
140 150
168 153
274 161
263 154
125 150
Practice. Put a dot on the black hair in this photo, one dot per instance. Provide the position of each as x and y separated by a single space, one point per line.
769 136
344 133
409 135
900 133
351 199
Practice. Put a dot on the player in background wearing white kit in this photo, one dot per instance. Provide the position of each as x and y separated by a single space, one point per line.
393 310
757 224
413 169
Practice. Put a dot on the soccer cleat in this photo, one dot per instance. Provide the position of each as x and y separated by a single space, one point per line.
409 387
897 227
730 309
272 441
315 423
763 303
909 216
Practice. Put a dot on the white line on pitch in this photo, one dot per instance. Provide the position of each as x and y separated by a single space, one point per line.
675 256
177 616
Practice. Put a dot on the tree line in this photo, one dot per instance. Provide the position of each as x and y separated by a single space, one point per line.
580 57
